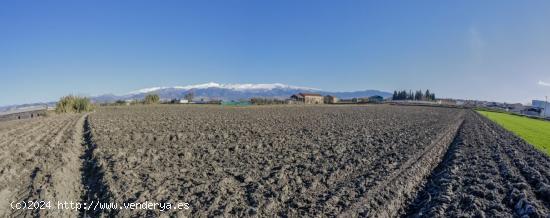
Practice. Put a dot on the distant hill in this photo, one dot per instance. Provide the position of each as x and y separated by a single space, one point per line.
25 107
213 91
229 92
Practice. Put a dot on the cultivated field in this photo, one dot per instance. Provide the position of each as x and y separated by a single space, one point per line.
271 160
487 172
348 161
40 159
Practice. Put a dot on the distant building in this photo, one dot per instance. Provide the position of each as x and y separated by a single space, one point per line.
130 101
532 111
361 100
23 114
516 108
184 101
329 99
308 98
544 106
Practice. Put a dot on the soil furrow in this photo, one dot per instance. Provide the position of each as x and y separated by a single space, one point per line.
21 128
51 152
390 197
23 176
480 177
532 181
37 166
95 189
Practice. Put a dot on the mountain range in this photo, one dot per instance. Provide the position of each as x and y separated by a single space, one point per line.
232 92
215 91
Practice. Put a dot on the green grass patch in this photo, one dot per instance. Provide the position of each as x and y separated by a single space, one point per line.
534 131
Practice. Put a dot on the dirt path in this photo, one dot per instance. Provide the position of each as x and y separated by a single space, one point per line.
487 172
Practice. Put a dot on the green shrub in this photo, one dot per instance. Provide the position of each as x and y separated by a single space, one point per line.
73 104
151 99
120 102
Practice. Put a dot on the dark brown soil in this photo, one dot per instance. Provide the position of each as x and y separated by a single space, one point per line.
487 172
289 161
264 161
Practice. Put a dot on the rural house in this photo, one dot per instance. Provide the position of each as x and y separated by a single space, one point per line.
308 98
329 99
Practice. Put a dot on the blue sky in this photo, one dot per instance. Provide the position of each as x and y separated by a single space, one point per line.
488 50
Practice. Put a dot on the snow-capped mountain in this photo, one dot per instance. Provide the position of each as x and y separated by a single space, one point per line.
214 91
236 87
228 92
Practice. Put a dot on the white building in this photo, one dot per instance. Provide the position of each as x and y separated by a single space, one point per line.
545 106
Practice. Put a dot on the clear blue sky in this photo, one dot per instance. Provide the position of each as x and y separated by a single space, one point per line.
489 50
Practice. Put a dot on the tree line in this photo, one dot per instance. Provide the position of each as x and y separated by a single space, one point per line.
415 96
265 101
148 99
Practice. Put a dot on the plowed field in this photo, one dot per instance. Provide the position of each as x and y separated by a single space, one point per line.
40 160
265 161
262 161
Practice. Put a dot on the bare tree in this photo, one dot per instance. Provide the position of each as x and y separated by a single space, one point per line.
189 96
